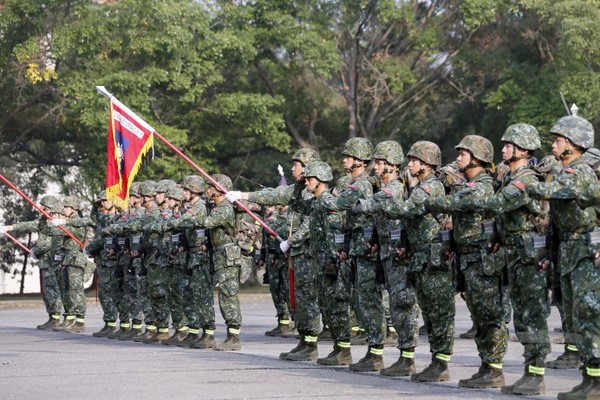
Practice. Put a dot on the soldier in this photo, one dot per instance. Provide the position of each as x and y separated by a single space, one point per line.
482 269
516 216
198 294
326 244
305 273
430 266
577 254
392 236
72 266
226 260
362 252
41 251
177 281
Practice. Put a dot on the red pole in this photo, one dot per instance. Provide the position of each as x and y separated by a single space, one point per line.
217 185
21 245
62 228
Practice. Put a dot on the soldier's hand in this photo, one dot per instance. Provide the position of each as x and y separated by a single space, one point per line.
544 265
58 221
284 246
233 195
2 230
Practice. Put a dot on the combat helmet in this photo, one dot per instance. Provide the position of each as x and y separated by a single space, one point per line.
578 130
306 156
101 196
390 151
148 189
58 208
524 136
222 180
481 148
49 201
193 183
176 193
320 170
71 201
426 151
134 190
359 148
163 185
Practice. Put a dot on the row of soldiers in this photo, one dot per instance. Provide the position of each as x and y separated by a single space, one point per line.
157 263
508 238
348 244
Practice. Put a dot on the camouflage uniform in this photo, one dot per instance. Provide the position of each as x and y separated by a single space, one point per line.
226 259
325 244
482 270
516 214
433 273
580 277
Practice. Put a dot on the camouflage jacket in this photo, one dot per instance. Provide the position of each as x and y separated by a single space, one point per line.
221 222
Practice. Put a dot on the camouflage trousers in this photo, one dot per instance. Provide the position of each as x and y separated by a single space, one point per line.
228 278
484 297
158 288
404 310
435 294
178 281
199 304
108 290
335 299
131 296
72 292
51 289
279 284
580 285
306 290
368 301
530 303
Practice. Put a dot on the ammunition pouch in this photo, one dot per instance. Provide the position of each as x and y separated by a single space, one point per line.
233 254
492 264
331 269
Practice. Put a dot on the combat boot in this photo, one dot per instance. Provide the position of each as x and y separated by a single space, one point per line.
405 366
177 337
192 336
150 331
206 341
339 356
588 389
53 322
372 361
358 338
300 346
107 329
532 381
283 327
325 334
232 342
488 377
159 337
470 334
569 359
66 323
136 330
124 327
391 337
437 371
308 353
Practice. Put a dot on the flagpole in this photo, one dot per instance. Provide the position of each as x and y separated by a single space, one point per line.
62 228
14 239
103 92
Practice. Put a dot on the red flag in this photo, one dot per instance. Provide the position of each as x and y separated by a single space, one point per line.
129 138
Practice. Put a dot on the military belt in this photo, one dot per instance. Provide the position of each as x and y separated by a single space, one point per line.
512 240
465 249
420 248
568 236
223 246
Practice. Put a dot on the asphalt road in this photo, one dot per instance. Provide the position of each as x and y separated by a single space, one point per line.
36 364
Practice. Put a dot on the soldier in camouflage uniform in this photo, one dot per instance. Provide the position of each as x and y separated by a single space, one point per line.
72 266
276 269
109 290
305 273
178 281
577 254
516 215
198 293
226 259
388 156
325 247
362 251
482 268
41 252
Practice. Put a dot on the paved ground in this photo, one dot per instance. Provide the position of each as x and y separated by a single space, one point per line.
50 365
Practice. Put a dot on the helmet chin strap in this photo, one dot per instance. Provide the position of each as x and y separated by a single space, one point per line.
355 164
514 156
568 150
419 172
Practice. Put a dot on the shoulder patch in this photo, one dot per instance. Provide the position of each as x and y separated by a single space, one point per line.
387 191
426 188
519 184
569 170
471 184
353 187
